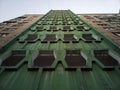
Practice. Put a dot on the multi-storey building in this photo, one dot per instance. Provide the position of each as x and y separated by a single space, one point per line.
8 29
107 24
60 51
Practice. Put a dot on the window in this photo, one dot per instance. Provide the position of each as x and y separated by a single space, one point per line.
3 35
80 28
97 21
45 58
66 27
109 28
70 37
9 29
102 24
88 37
31 37
88 17
14 58
49 37
116 33
105 58
22 17
74 58
11 21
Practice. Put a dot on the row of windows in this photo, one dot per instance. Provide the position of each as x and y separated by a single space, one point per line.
45 58
53 27
60 23
66 38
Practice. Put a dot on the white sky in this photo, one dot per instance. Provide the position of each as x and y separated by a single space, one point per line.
13 8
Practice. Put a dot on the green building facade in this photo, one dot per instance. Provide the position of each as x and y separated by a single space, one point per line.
60 51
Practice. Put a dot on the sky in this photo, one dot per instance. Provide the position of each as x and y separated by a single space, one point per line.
13 8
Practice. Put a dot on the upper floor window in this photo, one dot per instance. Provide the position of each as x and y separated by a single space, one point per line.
109 28
117 33
3 35
102 24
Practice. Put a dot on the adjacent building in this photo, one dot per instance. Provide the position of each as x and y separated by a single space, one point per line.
9 29
107 24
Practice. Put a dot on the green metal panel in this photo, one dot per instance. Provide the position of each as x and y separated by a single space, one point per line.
94 75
